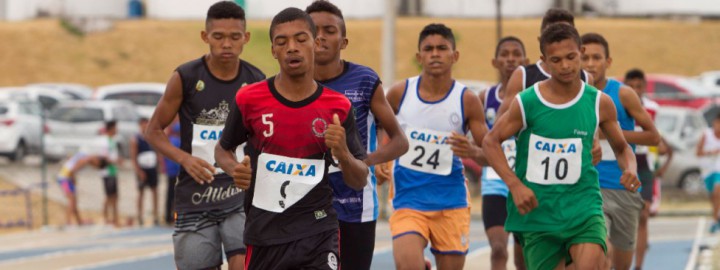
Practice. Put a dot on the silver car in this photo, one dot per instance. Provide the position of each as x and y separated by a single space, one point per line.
78 125
145 96
20 128
682 129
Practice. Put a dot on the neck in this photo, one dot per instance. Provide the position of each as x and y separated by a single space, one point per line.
329 70
295 88
222 70
569 89
600 83
504 82
436 84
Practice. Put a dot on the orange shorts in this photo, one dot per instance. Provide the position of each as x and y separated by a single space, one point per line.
447 230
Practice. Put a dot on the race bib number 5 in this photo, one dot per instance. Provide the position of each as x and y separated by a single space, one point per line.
203 144
554 161
282 181
429 151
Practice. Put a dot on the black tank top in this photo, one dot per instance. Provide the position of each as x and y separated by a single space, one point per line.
534 73
204 108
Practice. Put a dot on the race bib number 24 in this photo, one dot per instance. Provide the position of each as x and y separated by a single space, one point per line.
429 151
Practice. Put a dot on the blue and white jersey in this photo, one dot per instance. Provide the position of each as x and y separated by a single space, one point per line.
357 83
491 183
429 177
608 169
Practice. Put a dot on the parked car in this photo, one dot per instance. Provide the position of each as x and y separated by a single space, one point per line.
671 90
20 128
682 129
145 96
49 98
710 79
77 125
72 90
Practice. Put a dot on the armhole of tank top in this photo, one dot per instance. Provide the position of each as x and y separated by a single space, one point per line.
584 73
487 94
402 99
522 112
462 110
524 78
597 110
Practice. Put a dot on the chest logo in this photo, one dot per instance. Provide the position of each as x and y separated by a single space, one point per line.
319 126
291 168
555 147
200 85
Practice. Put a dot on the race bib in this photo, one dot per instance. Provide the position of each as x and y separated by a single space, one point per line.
510 151
554 161
147 160
429 151
203 144
283 181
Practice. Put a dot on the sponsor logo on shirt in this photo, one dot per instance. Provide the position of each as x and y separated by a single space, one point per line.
428 138
291 168
555 147
319 126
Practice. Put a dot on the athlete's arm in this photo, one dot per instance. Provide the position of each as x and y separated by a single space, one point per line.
624 154
164 114
343 140
505 127
649 135
700 146
475 117
398 144
395 95
514 86
233 135
664 149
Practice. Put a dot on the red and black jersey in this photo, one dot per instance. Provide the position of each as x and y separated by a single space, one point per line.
271 124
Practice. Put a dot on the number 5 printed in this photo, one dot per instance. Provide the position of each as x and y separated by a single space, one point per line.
266 121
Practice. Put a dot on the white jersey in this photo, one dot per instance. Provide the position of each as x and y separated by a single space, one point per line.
710 164
443 115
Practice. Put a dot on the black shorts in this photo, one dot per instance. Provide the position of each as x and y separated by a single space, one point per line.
151 179
110 184
319 251
494 210
647 181
357 244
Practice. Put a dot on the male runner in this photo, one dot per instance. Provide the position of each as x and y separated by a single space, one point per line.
145 162
509 54
110 174
622 208
293 127
66 180
431 196
556 207
210 217
646 159
357 210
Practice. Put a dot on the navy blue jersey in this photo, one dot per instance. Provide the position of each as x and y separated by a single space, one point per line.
358 84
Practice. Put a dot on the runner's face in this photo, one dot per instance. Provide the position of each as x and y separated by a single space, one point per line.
509 57
293 46
226 38
638 85
563 60
329 36
436 55
594 60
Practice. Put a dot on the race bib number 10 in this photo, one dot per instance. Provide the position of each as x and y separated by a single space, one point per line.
554 161
429 151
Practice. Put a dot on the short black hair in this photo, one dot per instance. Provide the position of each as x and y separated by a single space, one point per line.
635 73
509 39
556 15
225 10
437 29
326 6
292 14
595 38
110 124
556 33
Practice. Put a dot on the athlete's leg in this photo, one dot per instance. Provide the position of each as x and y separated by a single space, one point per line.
154 193
716 201
141 193
114 208
236 262
642 239
408 251
498 239
587 256
622 259
450 237
518 257
73 209
357 243
450 261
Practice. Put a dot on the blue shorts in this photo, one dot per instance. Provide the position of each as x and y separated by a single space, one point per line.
67 185
711 181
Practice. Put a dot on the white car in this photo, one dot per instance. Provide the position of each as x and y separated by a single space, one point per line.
49 98
145 96
72 90
710 79
682 129
20 128
77 125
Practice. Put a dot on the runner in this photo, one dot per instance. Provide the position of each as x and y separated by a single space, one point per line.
646 158
509 54
709 150
357 210
145 162
172 170
66 180
431 196
556 206
294 127
210 217
622 209
110 175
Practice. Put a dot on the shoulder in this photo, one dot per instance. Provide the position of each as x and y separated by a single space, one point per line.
253 91
255 71
334 97
190 66
366 74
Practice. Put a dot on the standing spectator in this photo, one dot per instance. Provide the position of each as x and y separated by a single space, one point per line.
145 162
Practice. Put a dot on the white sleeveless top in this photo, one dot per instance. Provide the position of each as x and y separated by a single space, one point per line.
711 164
442 115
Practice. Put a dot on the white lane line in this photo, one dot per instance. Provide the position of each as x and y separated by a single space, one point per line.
150 256
692 261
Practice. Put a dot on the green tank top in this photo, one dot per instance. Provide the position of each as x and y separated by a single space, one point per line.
554 160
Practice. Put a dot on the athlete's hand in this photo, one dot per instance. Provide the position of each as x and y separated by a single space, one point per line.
524 198
383 173
630 181
201 171
335 139
596 152
242 173
462 147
